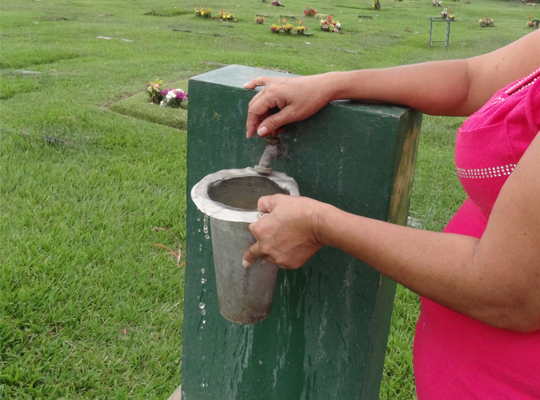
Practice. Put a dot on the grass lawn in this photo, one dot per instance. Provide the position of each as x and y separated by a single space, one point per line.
93 177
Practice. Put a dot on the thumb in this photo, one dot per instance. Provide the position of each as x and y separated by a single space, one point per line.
252 84
251 255
266 204
275 121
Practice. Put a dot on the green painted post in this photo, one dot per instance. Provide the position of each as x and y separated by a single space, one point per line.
326 336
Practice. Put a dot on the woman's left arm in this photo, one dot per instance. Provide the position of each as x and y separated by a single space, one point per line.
495 279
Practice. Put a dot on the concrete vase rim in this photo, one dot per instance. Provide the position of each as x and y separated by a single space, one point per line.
199 194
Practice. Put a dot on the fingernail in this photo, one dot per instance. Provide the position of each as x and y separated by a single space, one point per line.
245 263
262 131
247 135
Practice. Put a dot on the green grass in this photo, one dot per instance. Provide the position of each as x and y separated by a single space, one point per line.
90 308
11 84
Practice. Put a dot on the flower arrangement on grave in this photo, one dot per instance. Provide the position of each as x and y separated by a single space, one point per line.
310 12
436 3
376 5
277 3
329 25
444 13
300 30
485 22
276 28
451 17
174 98
203 12
227 17
287 28
259 20
532 23
154 91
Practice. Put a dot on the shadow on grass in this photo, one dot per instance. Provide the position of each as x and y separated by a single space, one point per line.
170 12
140 107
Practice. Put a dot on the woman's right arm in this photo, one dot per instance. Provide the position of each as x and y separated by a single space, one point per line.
468 84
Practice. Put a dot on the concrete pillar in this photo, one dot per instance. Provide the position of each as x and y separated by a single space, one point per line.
326 336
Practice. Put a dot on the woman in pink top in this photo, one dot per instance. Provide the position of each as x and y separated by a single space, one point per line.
478 336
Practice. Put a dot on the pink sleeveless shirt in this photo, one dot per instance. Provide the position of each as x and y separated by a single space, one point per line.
456 357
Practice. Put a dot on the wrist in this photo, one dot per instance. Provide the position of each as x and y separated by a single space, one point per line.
332 86
319 223
338 85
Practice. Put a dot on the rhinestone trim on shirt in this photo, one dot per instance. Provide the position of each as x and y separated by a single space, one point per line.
489 172
519 86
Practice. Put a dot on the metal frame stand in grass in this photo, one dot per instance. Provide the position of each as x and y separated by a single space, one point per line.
447 39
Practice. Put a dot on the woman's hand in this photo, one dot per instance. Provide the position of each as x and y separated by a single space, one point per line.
296 97
287 234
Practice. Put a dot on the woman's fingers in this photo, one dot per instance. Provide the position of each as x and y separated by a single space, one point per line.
274 95
274 121
267 203
254 253
260 81
284 233
251 255
259 113
260 119
253 122
295 97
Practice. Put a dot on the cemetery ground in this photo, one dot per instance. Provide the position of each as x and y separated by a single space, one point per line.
91 308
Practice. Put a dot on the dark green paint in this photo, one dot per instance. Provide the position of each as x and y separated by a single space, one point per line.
327 333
